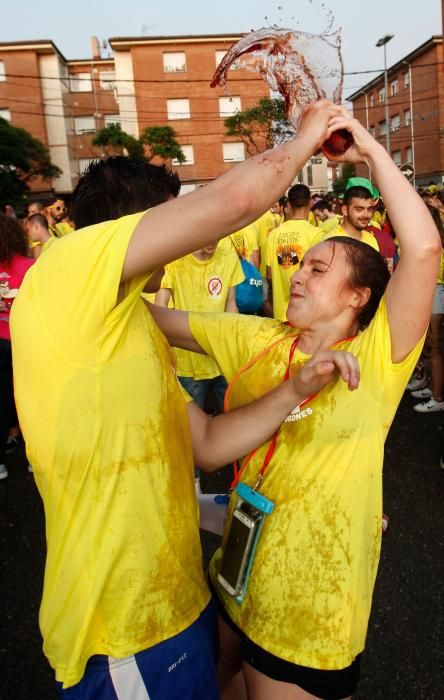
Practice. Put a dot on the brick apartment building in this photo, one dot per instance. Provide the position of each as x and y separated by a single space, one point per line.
416 111
149 81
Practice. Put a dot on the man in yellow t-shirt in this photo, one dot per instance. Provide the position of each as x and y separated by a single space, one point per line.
206 280
245 242
357 210
286 247
326 219
56 213
124 581
38 233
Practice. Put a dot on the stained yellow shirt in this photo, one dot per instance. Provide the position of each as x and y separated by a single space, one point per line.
366 237
286 246
266 223
309 596
201 285
244 242
107 432
441 270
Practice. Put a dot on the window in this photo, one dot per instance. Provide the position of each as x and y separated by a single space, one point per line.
406 78
409 154
396 155
382 128
381 95
372 100
84 125
112 119
178 109
372 130
107 79
394 87
80 82
2 72
83 164
5 114
396 123
233 152
229 106
174 62
407 117
310 175
185 189
188 152
219 57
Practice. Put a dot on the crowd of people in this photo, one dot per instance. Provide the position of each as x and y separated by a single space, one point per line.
309 385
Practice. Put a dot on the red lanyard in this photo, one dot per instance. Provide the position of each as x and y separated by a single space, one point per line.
272 446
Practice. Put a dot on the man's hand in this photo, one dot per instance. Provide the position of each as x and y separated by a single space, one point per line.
324 367
316 120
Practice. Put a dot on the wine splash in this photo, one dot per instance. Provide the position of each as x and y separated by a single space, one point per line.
302 67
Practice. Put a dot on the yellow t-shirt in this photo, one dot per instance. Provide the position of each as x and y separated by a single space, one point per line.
330 224
107 432
367 237
266 223
309 596
441 270
286 246
244 242
201 285
60 230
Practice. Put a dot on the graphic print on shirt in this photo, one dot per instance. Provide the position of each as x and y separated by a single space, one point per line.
7 296
298 414
214 287
288 252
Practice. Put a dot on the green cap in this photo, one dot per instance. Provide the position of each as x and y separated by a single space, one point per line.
362 182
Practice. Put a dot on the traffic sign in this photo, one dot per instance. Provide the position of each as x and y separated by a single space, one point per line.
408 170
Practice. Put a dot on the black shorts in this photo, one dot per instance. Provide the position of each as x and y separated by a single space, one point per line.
330 685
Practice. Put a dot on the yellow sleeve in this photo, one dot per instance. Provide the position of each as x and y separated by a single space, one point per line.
269 250
236 274
251 237
90 265
167 279
231 339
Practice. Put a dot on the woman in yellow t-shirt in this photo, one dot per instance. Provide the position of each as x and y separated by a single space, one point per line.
302 624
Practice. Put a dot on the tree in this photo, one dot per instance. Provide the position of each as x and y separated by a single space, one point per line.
22 159
114 141
161 141
154 141
261 127
348 170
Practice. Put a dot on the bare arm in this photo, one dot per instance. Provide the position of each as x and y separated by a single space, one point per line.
410 291
220 440
175 326
230 304
162 297
177 227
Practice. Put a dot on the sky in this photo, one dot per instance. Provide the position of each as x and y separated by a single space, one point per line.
71 25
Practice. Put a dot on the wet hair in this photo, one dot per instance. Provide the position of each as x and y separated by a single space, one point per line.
117 186
13 240
359 192
298 196
39 219
322 204
367 269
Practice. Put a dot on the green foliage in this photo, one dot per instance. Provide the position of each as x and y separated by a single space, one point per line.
114 141
161 141
348 171
261 127
22 158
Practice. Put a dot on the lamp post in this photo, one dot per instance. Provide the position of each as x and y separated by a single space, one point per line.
382 42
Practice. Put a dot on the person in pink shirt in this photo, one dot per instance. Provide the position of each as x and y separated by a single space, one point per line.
14 264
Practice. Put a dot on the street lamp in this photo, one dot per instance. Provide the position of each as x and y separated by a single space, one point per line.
382 42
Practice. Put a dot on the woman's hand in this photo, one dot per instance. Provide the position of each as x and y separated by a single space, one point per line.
363 145
323 367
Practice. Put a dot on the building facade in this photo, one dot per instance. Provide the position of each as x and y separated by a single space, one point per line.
416 111
149 81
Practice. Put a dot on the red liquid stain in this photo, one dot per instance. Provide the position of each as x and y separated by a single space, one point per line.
302 67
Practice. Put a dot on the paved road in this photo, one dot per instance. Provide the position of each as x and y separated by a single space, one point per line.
405 647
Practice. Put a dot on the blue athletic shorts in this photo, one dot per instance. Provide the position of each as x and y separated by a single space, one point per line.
180 668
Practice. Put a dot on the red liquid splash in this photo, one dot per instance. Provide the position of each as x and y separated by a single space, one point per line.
302 67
